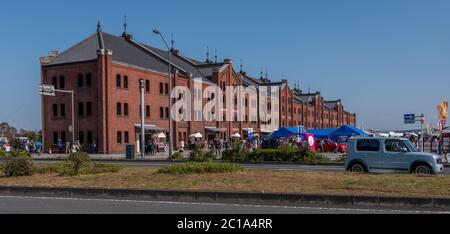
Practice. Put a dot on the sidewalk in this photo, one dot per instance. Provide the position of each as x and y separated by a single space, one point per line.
157 157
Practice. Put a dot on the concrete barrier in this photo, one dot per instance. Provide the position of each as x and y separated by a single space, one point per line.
232 198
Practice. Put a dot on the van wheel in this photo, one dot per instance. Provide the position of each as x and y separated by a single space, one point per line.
357 168
422 169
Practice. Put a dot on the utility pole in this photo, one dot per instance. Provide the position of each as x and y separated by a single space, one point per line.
169 50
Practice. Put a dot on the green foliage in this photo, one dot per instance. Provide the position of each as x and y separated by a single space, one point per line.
201 168
342 158
238 154
282 154
15 143
200 155
18 164
100 168
75 163
177 156
53 168
2 154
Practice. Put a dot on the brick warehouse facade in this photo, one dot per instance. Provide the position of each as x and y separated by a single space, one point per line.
105 71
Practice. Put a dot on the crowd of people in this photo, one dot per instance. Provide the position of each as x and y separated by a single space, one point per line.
31 146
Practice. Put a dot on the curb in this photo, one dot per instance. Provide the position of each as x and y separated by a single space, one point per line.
234 198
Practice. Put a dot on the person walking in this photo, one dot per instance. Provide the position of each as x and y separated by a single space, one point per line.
94 147
68 148
60 144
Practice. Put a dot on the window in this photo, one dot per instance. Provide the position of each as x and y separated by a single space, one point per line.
81 137
89 108
161 112
368 145
80 80
55 138
80 109
125 109
55 110
63 137
147 86
147 111
167 113
127 137
119 81
167 89
395 146
125 82
88 80
119 108
63 110
90 137
62 82
55 81
119 137
161 88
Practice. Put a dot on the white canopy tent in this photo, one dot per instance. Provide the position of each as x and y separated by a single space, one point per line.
236 135
160 136
196 135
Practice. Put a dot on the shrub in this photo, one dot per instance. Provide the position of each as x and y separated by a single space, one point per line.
200 155
2 154
75 163
177 156
237 154
18 164
201 168
53 168
342 158
100 168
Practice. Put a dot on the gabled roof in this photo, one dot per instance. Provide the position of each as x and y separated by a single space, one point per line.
124 52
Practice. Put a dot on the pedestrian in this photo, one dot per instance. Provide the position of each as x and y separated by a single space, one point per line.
445 153
94 147
68 148
60 145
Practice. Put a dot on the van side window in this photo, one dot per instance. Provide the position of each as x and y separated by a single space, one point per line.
395 146
368 145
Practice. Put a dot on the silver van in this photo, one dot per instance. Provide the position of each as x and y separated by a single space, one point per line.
383 155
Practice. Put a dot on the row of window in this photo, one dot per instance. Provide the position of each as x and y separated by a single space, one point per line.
60 110
83 137
82 81
122 83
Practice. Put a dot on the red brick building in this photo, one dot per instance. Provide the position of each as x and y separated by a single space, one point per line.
105 71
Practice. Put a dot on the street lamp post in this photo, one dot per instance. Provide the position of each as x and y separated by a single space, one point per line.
49 90
170 88
142 86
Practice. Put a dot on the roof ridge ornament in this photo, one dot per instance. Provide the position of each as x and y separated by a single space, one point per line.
125 25
99 26
207 54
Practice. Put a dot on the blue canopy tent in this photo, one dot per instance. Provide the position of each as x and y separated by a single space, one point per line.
286 132
322 134
348 131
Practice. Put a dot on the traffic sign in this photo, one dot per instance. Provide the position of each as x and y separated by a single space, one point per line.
47 90
410 118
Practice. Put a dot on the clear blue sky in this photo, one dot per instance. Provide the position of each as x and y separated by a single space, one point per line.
382 57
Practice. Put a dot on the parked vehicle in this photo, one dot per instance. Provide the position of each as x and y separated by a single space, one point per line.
328 146
390 155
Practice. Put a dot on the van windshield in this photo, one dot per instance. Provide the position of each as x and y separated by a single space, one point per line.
411 146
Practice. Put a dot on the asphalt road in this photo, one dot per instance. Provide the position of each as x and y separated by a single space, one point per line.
68 205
